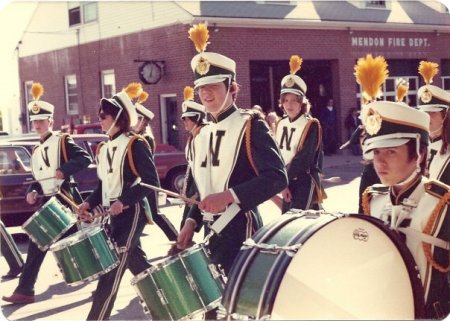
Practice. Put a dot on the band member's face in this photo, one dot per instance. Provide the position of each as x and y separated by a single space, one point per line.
188 124
291 105
393 165
213 97
41 126
106 121
436 122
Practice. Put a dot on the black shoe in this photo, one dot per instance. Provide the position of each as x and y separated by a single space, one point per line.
11 275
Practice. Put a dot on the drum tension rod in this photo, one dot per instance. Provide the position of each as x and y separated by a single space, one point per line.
271 248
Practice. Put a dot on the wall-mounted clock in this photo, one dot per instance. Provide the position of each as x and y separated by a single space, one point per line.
150 72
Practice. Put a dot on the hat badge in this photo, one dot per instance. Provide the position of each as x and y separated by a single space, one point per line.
35 109
202 66
290 82
373 122
426 96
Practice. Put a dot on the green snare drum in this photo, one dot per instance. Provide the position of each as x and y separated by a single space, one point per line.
181 286
85 255
47 225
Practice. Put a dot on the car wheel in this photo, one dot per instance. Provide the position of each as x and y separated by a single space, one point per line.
175 180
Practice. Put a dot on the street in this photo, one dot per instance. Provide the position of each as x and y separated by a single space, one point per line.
57 301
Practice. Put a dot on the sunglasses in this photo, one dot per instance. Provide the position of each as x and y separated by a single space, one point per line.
102 115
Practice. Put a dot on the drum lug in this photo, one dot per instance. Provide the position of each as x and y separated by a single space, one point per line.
43 228
162 297
144 306
75 265
191 282
214 271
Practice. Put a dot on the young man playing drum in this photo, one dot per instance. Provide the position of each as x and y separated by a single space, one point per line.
236 163
124 162
413 205
55 159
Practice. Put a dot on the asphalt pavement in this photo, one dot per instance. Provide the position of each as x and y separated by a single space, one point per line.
57 301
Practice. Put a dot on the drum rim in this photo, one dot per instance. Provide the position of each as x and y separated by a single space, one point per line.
75 238
36 213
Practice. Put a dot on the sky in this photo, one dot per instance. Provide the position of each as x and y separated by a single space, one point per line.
14 17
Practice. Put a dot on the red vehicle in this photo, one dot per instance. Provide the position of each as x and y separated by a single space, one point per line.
15 156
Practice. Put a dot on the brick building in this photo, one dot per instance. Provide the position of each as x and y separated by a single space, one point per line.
87 50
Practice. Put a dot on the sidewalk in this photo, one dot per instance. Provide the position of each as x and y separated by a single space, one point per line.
341 159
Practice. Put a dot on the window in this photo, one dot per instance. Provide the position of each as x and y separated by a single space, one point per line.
376 4
389 90
446 83
82 12
108 83
71 94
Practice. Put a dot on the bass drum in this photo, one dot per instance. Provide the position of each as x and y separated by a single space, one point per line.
317 266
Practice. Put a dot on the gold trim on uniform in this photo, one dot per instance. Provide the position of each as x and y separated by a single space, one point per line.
202 66
289 82
373 122
35 109
426 96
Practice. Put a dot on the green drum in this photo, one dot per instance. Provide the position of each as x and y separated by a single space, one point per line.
85 255
181 286
47 225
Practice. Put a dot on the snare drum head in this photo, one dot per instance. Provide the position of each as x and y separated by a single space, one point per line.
75 238
349 269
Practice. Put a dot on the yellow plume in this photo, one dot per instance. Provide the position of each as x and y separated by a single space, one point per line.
188 93
371 73
133 90
428 70
295 63
199 35
37 90
402 89
142 97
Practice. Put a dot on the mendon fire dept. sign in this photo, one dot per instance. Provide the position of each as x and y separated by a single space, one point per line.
390 42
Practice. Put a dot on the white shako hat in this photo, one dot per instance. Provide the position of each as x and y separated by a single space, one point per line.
39 109
432 98
209 67
292 83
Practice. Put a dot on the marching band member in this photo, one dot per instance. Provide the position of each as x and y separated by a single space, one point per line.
299 138
435 102
236 163
123 162
53 162
144 129
194 118
415 206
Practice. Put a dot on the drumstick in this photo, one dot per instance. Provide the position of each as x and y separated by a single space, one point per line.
36 181
159 189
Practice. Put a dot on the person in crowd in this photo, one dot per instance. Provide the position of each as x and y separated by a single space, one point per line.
144 129
236 164
352 123
328 120
435 102
11 254
272 119
299 138
410 203
123 163
53 162
194 118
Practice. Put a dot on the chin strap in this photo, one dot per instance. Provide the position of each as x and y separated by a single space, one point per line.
114 123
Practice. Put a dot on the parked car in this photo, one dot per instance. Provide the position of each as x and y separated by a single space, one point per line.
15 171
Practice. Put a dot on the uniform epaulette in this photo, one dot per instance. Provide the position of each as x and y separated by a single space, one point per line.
378 189
436 188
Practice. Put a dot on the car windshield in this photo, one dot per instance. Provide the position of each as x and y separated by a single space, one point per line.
14 160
